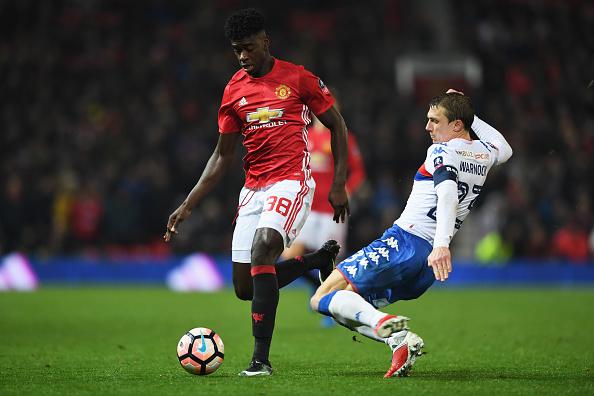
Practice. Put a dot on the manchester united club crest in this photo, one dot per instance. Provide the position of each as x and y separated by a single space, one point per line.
282 91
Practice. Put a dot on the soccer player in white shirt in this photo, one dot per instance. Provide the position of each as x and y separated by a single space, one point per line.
405 261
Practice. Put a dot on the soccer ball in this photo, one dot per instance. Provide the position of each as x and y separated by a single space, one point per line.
200 351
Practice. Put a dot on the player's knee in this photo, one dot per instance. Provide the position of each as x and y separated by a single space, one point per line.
242 281
266 251
419 292
243 294
242 291
314 301
267 246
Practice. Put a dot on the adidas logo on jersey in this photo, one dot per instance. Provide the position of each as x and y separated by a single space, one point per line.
243 101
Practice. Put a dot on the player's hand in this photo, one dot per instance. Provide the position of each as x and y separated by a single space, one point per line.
440 260
454 91
340 203
179 215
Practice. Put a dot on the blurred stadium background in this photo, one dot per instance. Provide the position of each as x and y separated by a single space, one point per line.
108 116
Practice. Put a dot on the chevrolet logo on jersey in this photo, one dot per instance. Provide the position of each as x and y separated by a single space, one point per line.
264 115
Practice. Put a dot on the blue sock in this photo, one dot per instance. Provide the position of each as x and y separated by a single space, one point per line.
323 306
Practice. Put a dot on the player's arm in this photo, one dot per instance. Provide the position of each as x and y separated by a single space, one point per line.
333 120
217 165
489 134
445 179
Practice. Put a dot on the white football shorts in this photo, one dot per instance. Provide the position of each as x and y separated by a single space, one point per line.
282 206
318 228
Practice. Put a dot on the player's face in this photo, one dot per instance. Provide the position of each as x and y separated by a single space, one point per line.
439 128
252 52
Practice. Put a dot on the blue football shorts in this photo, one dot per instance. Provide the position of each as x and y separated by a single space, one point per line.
391 268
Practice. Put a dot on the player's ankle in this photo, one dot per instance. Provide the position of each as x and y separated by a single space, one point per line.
262 349
261 359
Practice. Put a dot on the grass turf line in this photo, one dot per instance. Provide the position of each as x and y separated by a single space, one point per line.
121 341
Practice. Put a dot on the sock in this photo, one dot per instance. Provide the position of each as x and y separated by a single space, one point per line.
352 310
317 259
336 304
342 297
369 332
262 349
289 270
325 302
393 341
264 306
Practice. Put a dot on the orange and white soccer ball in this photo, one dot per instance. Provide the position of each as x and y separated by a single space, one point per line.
200 351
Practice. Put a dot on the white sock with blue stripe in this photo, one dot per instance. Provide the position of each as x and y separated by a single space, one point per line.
353 311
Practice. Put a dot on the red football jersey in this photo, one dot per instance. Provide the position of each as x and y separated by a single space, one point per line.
322 167
272 113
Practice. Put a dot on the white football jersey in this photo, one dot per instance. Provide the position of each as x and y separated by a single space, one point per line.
471 160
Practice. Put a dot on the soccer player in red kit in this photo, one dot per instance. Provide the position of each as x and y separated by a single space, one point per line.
268 102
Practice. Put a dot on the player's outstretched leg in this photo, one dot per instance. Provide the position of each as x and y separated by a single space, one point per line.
406 347
323 259
351 310
354 312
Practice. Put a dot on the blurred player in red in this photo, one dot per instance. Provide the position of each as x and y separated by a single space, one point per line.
320 225
269 102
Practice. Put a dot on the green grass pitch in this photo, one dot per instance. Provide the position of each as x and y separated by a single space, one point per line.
121 341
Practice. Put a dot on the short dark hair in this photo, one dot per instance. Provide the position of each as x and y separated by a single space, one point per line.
457 107
243 24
